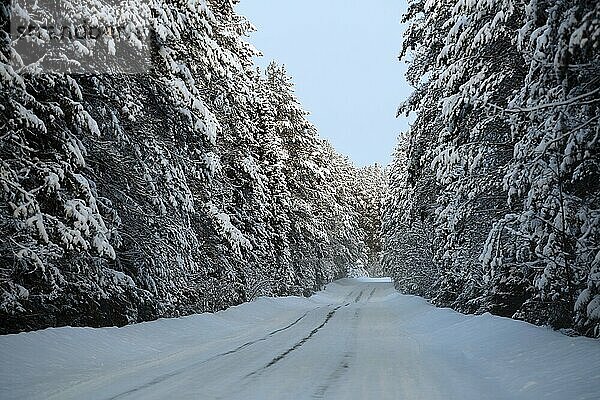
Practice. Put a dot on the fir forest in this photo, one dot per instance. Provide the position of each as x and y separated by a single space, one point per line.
170 210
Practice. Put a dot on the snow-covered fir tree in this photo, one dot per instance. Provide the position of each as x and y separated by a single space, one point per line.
406 219
555 174
191 187
370 184
506 101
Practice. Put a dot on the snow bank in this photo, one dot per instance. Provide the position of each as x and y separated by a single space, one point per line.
449 350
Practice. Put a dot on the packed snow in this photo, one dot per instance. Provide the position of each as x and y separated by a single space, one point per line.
357 339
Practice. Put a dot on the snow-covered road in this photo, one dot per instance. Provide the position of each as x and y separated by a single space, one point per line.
357 339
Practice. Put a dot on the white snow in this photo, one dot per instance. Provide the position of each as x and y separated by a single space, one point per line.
236 238
357 339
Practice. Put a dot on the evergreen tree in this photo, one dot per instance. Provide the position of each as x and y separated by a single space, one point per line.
191 187
506 103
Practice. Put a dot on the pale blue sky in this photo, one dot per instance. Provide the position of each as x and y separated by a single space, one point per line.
342 56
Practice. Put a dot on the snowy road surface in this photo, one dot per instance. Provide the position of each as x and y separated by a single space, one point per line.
357 339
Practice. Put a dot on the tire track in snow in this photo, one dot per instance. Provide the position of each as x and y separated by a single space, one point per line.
261 339
342 367
349 296
165 377
357 299
371 294
295 346
334 377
